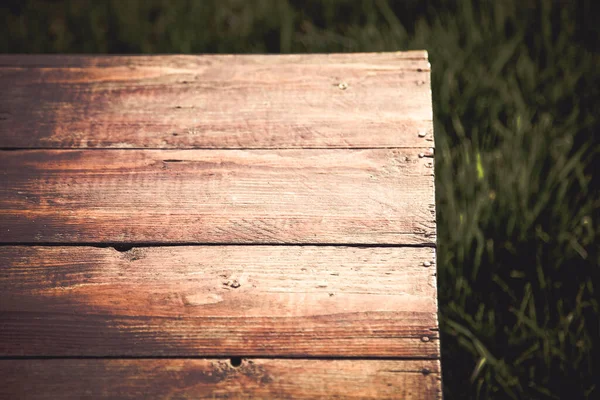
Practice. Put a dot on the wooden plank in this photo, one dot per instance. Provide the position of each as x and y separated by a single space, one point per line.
209 379
383 196
295 101
218 301
194 61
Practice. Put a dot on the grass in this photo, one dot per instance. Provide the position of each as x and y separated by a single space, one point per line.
515 90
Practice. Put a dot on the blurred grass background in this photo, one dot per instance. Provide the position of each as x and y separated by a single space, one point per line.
516 91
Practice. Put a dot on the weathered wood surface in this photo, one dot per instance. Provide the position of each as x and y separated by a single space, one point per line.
195 61
246 185
218 301
209 379
374 196
317 101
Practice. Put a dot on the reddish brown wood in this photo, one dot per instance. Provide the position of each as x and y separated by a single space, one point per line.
246 150
215 300
209 379
217 196
307 101
194 61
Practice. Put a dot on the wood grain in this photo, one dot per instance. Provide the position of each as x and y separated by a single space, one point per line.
369 100
218 301
210 379
380 196
246 185
195 61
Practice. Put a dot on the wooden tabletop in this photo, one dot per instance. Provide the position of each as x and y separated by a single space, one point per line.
217 227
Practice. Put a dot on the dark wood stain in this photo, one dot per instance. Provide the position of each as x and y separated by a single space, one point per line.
215 378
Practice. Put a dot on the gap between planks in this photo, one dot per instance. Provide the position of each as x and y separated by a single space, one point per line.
217 148
127 246
220 357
